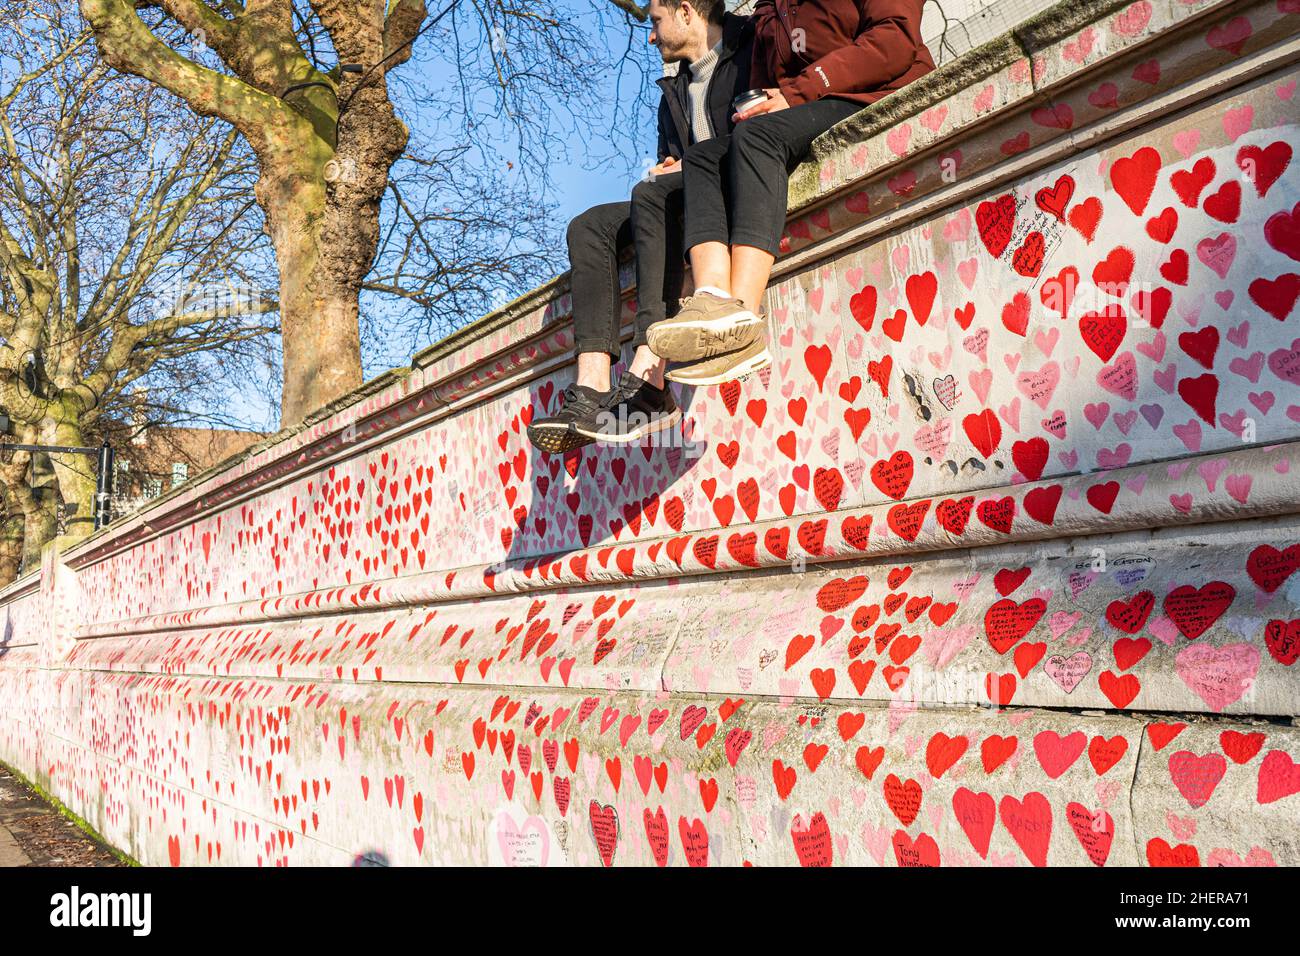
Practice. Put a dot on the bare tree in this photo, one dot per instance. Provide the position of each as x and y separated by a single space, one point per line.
130 249
452 248
306 82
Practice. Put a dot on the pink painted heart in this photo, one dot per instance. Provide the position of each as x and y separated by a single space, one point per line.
1067 672
1220 676
528 844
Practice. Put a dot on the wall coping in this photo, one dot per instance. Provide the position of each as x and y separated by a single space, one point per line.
1273 497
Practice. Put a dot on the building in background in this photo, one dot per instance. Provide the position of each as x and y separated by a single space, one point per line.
159 458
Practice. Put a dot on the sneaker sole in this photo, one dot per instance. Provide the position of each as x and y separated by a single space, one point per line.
749 366
555 441
691 340
649 428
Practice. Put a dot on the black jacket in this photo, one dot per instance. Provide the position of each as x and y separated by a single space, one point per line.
730 78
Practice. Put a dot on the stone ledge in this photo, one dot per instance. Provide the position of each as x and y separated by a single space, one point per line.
1278 498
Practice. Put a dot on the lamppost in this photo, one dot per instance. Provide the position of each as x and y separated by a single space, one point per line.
103 466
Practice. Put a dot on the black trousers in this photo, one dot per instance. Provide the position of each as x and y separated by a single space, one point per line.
737 186
652 224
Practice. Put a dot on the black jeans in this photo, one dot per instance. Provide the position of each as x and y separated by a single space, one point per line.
652 224
737 186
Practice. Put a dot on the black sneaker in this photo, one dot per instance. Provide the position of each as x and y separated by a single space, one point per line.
632 410
560 432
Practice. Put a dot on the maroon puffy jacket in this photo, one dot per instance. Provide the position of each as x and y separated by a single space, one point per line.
855 50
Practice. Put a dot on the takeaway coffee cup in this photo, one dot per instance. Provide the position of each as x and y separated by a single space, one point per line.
747 100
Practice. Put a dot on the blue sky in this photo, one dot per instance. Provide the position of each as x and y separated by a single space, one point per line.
596 114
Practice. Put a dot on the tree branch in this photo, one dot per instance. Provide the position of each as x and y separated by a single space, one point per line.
130 46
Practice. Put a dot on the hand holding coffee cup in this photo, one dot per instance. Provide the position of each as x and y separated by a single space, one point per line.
746 101
753 103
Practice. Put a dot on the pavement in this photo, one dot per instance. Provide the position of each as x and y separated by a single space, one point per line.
34 833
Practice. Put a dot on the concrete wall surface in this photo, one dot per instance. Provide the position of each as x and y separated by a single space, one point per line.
995 565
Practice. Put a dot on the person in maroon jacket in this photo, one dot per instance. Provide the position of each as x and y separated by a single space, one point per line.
819 61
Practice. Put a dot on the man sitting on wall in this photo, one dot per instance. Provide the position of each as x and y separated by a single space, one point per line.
820 61
714 50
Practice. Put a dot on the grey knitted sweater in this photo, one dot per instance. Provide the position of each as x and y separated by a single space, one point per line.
701 73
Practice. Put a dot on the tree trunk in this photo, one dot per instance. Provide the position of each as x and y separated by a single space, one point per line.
11 547
39 501
13 475
74 474
318 313
323 211
31 501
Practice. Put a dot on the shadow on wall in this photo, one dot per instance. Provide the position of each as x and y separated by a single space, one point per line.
595 492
